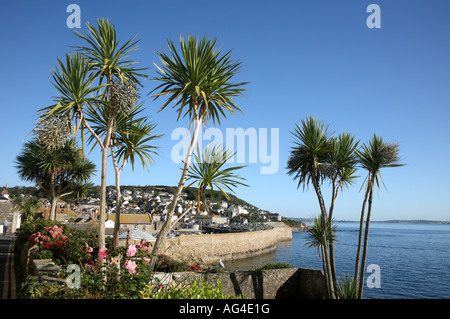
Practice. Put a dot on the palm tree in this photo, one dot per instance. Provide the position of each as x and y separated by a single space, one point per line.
102 59
340 168
198 82
130 141
374 156
208 171
315 236
130 146
341 165
27 206
308 157
57 171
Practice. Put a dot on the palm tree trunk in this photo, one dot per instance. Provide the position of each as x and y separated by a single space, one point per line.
167 224
106 142
115 241
118 170
52 215
326 256
324 266
181 216
332 262
361 227
366 239
53 208
334 194
102 212
104 147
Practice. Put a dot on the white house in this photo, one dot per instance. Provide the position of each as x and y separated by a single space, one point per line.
275 216
239 210
109 224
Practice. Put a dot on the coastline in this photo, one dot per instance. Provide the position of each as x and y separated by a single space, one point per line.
299 229
208 248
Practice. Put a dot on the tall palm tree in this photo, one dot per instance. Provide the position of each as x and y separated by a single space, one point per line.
130 145
103 59
340 168
130 141
57 171
373 156
308 157
341 165
208 171
198 80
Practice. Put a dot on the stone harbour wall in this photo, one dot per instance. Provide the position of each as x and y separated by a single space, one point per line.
208 248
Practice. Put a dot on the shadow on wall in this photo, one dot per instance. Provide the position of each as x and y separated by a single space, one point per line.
289 283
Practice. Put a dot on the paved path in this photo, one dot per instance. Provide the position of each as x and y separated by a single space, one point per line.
9 273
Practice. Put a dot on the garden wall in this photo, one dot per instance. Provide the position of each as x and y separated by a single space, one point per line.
208 248
287 283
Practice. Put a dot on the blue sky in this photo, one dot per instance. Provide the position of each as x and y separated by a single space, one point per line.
303 58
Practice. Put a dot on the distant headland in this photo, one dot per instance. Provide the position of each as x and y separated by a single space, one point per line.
392 221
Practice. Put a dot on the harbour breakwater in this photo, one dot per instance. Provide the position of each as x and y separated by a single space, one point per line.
209 248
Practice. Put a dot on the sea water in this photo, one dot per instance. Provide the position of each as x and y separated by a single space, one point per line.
413 260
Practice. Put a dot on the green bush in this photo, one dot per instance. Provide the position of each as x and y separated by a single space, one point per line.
165 263
34 288
43 254
347 288
196 290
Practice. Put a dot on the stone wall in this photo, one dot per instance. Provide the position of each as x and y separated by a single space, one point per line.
207 249
288 283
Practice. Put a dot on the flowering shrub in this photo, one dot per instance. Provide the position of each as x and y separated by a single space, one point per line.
67 245
131 266
37 239
124 272
55 231
105 273
131 251
28 228
102 254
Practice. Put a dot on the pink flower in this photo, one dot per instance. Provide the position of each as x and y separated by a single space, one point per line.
131 250
146 259
88 249
102 253
130 266
54 231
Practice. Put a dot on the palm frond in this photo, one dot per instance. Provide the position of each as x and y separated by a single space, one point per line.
310 151
74 82
208 171
106 57
317 231
198 80
377 154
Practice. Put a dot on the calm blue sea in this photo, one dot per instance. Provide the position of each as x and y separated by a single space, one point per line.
413 259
